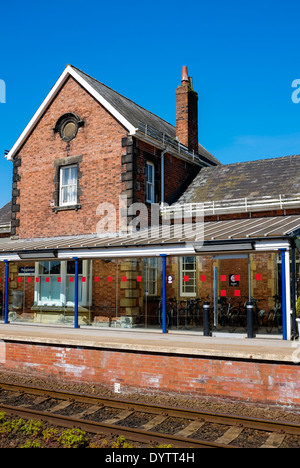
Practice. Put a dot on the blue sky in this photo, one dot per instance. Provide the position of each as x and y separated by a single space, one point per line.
243 57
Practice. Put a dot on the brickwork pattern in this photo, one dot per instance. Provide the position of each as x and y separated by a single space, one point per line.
260 382
99 142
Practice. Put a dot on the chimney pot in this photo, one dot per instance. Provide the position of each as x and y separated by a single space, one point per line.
184 76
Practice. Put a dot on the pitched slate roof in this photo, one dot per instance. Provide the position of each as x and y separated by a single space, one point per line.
5 214
253 179
124 110
136 114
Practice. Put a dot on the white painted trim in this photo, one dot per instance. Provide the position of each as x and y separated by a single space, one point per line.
63 287
152 184
69 71
181 276
102 101
271 245
155 251
126 252
10 257
38 113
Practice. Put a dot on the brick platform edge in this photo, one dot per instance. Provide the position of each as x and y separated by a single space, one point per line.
247 380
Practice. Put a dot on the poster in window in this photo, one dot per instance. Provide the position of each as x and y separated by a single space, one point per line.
232 281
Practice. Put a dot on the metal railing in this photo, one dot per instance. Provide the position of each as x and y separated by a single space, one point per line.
237 205
170 142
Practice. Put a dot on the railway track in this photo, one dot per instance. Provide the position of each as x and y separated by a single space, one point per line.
146 423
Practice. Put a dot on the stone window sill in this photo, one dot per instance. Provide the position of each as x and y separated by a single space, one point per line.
76 207
57 308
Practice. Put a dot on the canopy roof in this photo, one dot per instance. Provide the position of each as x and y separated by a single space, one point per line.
239 234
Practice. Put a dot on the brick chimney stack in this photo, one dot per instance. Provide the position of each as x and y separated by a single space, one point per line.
187 112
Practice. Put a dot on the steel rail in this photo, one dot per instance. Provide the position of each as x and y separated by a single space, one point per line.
219 418
134 434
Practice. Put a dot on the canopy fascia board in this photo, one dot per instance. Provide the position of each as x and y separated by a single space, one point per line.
152 251
266 246
126 252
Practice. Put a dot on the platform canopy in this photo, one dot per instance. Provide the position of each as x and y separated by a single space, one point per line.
233 235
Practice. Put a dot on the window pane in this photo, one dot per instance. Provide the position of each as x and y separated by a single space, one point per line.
70 291
150 173
68 185
44 268
45 290
149 182
49 268
150 274
71 267
149 192
188 263
73 175
54 268
69 194
64 176
188 269
50 290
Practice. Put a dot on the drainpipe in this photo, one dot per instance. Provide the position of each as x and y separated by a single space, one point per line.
162 175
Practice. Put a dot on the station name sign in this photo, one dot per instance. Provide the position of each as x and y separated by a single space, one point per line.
27 271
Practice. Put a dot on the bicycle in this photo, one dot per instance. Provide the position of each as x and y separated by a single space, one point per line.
227 313
197 311
185 313
274 318
237 317
170 313
258 313
159 313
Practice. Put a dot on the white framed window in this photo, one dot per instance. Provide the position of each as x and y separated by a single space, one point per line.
188 276
150 177
150 275
49 285
68 185
55 283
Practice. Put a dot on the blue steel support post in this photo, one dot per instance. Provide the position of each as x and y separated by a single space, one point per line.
164 292
6 291
76 294
283 283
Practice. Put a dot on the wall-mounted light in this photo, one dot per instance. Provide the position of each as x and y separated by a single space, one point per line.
37 255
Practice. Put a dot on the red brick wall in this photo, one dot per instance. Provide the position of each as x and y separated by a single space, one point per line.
103 177
176 172
260 382
100 144
187 116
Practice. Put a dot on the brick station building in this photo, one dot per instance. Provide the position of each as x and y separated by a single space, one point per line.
90 159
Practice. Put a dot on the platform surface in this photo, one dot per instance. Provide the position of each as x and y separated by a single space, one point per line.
184 343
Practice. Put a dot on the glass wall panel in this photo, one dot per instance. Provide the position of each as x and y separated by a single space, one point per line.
240 278
127 292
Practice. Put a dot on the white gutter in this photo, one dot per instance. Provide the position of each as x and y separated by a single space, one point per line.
265 246
128 252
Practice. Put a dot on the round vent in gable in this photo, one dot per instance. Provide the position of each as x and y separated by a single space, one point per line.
67 126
